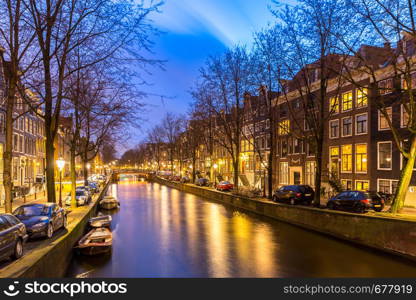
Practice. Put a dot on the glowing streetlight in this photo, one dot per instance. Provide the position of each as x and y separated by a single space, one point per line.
60 163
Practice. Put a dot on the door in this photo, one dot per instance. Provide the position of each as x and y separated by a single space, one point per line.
6 238
296 178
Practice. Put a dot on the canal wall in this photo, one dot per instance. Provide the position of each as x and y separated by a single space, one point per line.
51 259
393 235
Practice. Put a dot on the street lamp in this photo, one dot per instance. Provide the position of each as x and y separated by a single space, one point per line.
61 164
215 174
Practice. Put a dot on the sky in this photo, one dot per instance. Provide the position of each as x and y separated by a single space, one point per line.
193 30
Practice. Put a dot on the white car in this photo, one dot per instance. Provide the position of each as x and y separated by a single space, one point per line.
80 196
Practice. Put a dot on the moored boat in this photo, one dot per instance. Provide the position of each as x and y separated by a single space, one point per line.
97 241
109 203
100 221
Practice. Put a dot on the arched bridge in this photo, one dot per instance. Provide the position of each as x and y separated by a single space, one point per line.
130 174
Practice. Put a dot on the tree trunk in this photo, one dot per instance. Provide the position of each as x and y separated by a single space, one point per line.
50 167
73 178
318 170
405 179
8 149
85 170
236 172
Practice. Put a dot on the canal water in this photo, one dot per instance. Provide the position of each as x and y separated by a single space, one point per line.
162 232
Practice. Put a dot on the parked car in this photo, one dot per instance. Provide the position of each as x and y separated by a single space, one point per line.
87 191
202 182
94 187
80 196
357 201
294 194
176 178
185 179
12 237
41 220
225 186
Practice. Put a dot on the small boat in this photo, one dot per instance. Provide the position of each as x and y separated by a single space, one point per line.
97 241
109 202
100 221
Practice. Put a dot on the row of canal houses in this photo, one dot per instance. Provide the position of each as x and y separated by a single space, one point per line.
28 157
359 151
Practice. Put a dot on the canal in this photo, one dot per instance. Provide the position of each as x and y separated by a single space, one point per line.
162 232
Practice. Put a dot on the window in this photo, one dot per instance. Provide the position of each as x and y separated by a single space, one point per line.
403 160
334 105
296 146
412 79
310 149
347 101
334 158
362 185
385 156
362 97
346 184
284 127
15 142
267 124
361 126
310 171
347 126
361 158
404 117
346 158
383 124
284 148
333 129
385 86
384 186
387 186
284 173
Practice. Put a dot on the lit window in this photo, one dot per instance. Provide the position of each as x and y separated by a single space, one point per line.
361 158
334 157
284 127
404 120
362 98
385 86
346 158
361 124
346 184
310 173
347 101
412 79
347 126
284 173
334 129
334 105
362 185
383 124
385 155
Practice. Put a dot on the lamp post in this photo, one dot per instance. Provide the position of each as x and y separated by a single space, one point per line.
215 174
61 164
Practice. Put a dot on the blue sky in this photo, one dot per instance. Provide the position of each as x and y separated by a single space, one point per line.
194 29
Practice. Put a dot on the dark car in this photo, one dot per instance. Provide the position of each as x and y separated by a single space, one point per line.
202 182
294 194
12 237
176 178
225 186
94 187
357 201
41 220
185 179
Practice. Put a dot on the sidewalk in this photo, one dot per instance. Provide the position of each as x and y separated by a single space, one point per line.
40 198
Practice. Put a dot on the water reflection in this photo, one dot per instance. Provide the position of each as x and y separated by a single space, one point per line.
160 232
